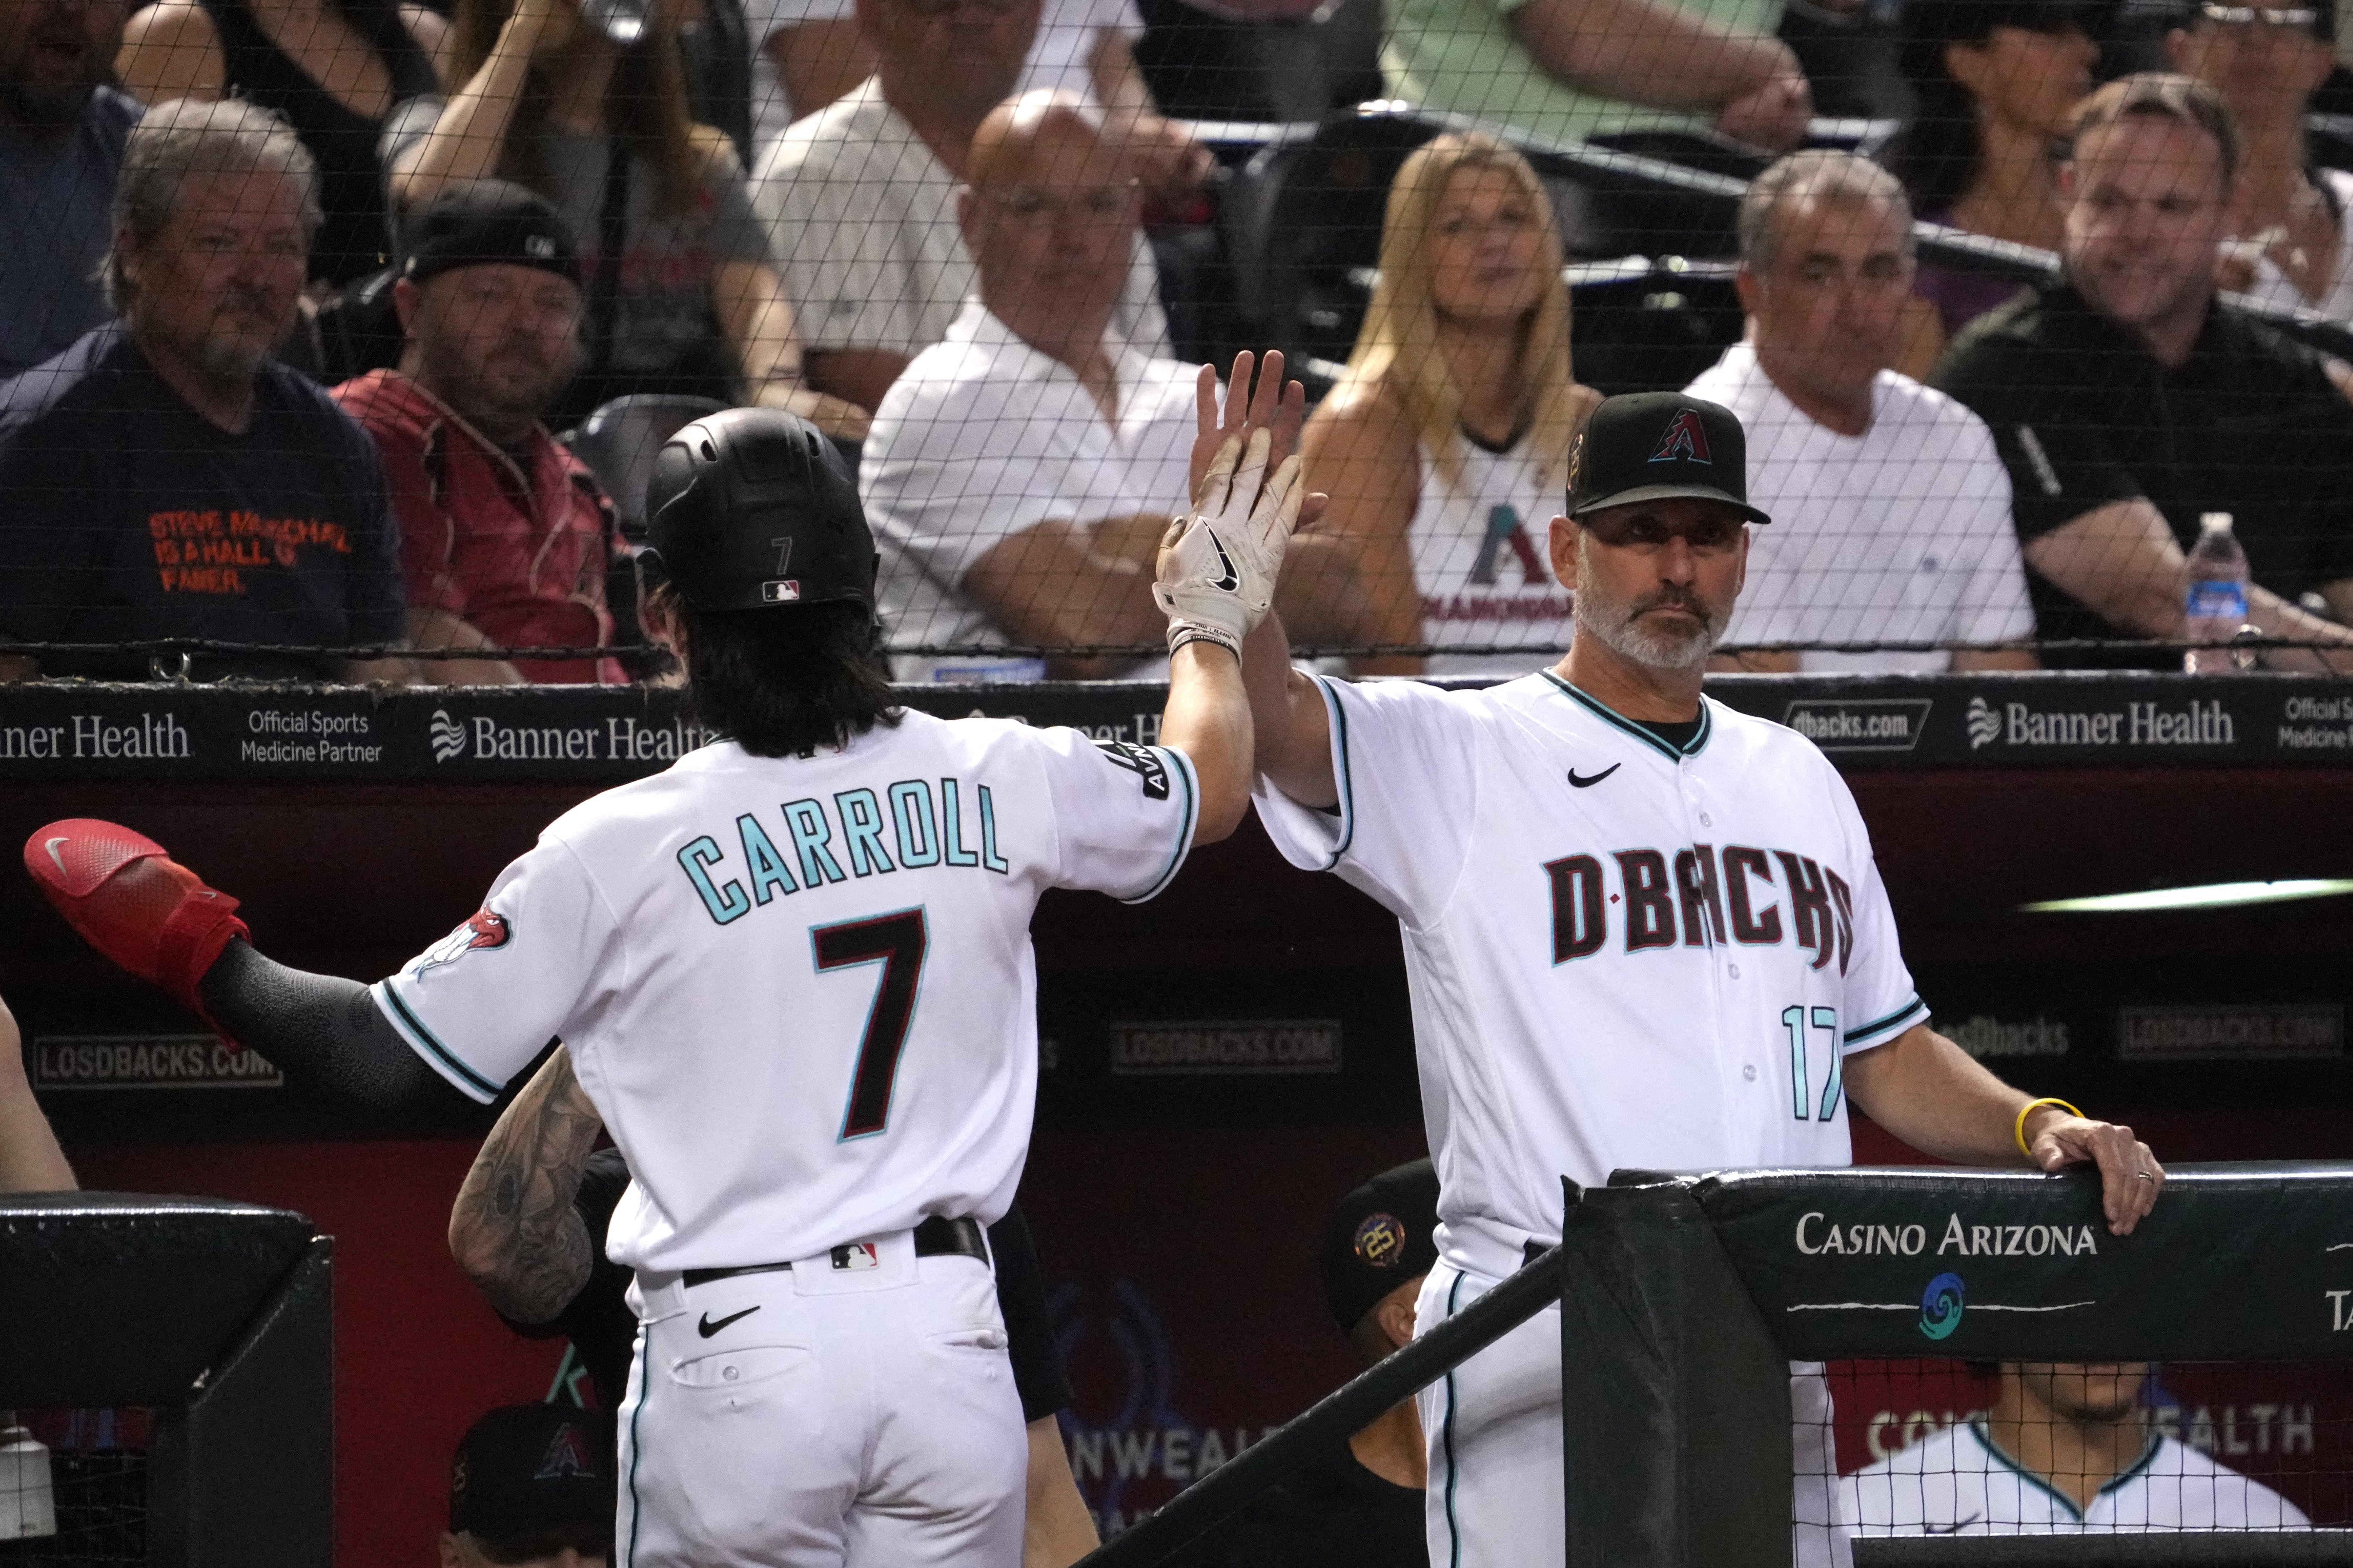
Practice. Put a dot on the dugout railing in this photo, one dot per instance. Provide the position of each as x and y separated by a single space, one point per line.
1684 1298
214 1316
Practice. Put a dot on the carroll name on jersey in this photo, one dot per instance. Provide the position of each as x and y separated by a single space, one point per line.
926 823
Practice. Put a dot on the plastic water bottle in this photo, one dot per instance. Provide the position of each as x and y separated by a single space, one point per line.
2216 605
28 1504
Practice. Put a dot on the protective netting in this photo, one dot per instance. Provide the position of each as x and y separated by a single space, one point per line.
80 1484
1945 1448
2048 289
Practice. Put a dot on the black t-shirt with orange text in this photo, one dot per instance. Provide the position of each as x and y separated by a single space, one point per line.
126 516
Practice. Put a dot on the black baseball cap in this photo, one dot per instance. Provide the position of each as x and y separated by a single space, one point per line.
489 221
536 1474
1380 1235
1650 445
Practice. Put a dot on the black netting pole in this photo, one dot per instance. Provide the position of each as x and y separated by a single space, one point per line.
1333 1418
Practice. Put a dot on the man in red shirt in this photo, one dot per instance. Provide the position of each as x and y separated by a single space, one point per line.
505 539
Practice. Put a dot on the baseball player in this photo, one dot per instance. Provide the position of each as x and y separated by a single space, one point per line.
2067 1449
795 977
1641 929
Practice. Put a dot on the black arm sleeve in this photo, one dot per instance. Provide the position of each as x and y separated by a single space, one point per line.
324 1032
1037 1373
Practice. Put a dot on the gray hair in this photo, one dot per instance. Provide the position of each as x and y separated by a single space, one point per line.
185 137
1817 175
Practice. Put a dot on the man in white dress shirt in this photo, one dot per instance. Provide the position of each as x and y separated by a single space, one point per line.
2067 1449
1891 507
860 199
1017 474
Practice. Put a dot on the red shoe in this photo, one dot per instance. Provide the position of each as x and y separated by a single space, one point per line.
130 900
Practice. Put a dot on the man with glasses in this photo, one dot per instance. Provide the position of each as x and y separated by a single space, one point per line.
2292 225
859 200
1641 931
1017 475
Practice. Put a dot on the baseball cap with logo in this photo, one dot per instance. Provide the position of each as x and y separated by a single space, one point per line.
1652 445
1379 1237
489 221
530 1479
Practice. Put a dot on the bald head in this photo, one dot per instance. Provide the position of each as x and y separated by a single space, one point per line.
1049 214
1041 136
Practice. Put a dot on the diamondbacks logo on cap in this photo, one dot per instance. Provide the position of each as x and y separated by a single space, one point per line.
567 1455
1685 441
1381 1240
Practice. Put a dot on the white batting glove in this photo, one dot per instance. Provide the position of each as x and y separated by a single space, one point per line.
1217 566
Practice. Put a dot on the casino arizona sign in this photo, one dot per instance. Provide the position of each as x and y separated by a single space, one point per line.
1816 1236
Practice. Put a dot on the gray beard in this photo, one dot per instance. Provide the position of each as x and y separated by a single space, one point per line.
1614 627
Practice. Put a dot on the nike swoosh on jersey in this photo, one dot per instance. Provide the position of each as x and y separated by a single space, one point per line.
1577 782
1950 1528
706 1328
55 858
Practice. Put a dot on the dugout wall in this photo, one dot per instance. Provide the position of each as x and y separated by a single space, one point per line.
214 1315
1686 1297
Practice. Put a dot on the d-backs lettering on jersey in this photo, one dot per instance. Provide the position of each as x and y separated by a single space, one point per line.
799 991
1621 952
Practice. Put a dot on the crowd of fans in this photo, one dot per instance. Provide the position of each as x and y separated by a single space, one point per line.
299 299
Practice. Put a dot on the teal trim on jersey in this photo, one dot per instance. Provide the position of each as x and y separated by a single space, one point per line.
1863 1034
1182 766
1640 731
2147 1458
645 1386
1446 1438
441 1058
1985 1440
1339 717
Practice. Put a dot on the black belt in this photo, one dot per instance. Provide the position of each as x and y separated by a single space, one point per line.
936 1237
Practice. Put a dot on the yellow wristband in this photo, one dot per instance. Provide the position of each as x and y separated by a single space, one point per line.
2018 1132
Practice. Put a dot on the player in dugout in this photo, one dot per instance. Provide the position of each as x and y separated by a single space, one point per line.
811 1027
2069 1448
1643 930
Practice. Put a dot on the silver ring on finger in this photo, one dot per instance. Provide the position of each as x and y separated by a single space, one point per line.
2144 1176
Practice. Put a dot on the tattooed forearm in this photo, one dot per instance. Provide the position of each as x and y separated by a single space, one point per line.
514 1230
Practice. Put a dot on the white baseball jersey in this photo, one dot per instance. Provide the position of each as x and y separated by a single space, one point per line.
1959 1482
1621 952
800 991
1480 559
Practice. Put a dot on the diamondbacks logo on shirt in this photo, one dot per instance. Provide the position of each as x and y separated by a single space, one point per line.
1141 760
484 928
1685 441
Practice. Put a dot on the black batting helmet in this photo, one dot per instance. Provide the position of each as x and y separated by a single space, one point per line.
754 507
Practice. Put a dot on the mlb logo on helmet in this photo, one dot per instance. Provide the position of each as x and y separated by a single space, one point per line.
1684 440
786 592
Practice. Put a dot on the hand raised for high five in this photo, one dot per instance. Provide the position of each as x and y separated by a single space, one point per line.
1219 565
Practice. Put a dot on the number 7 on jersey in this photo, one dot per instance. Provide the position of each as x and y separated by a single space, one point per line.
898 943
